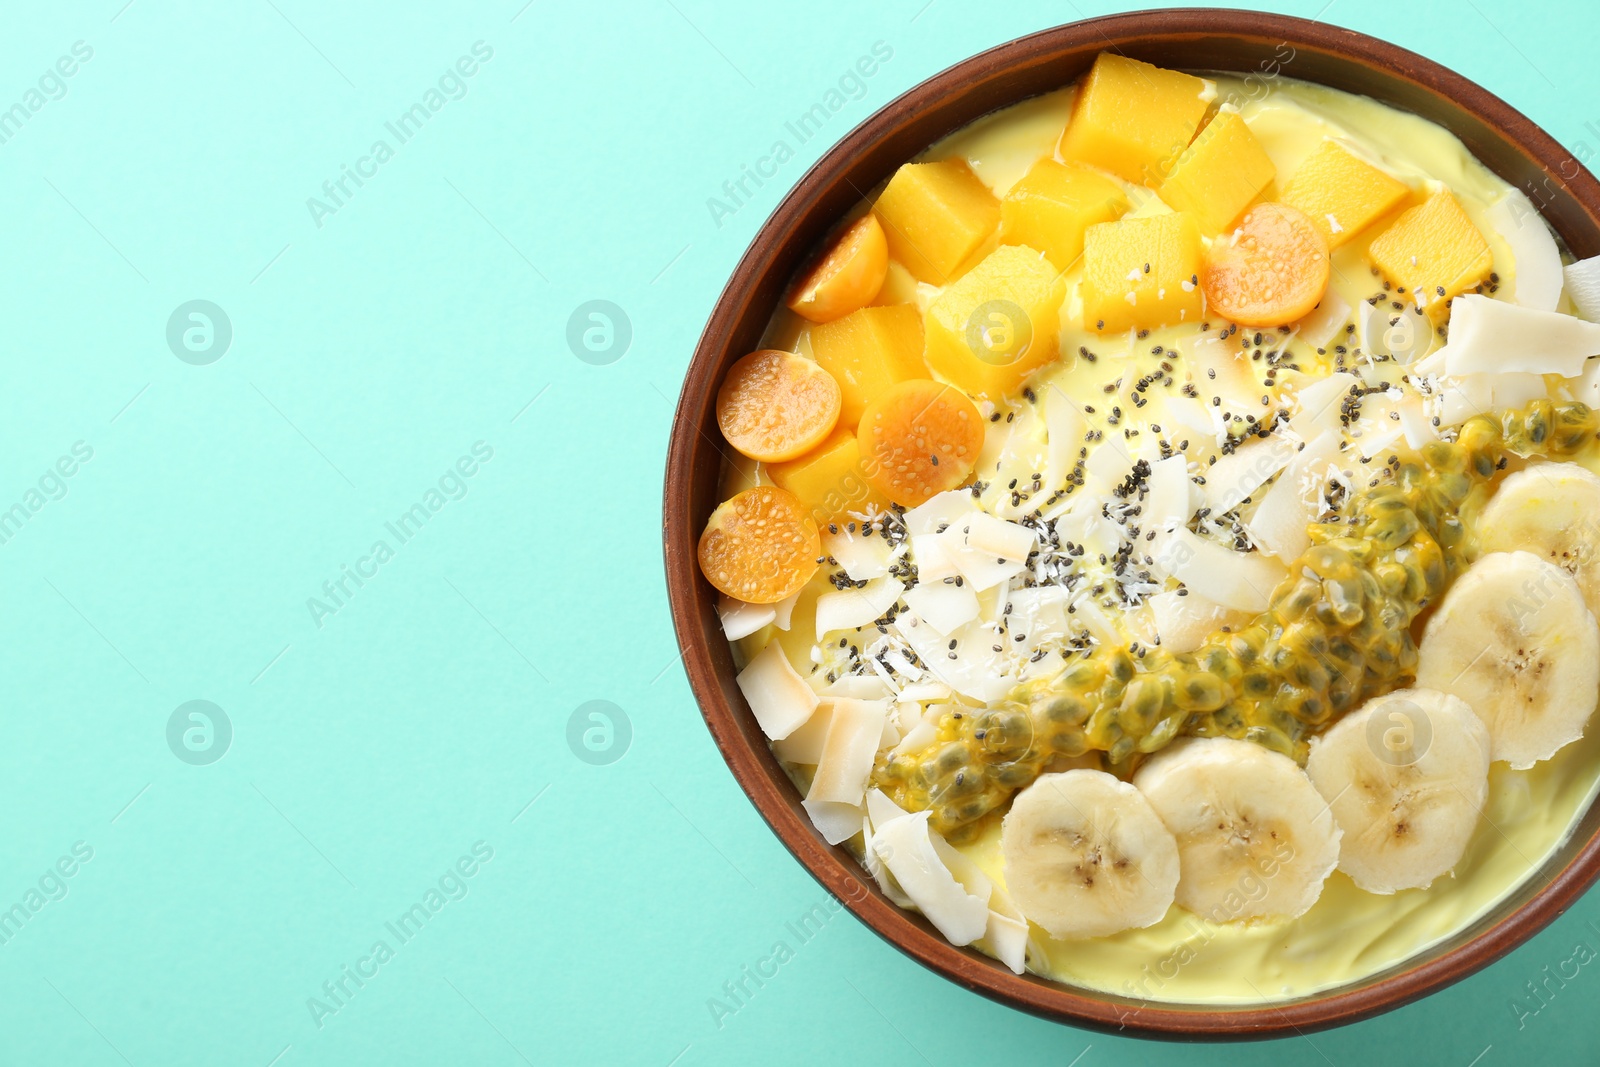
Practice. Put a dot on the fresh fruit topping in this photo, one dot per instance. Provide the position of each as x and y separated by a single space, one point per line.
760 546
830 479
776 405
935 216
1406 777
918 439
1220 174
1133 119
867 351
1270 271
1433 251
1514 639
1553 511
1140 273
996 325
848 277
1340 193
1087 856
1255 839
1052 206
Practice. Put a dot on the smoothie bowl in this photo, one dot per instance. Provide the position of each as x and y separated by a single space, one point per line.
1131 524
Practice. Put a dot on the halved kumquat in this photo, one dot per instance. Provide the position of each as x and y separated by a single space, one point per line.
848 277
760 546
777 405
918 439
1270 271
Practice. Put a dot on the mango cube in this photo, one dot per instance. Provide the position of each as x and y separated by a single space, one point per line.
1140 273
1341 193
1053 204
935 216
867 351
1220 174
997 323
1433 250
830 479
1134 119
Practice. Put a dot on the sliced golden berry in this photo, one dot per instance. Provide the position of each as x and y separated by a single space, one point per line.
760 546
918 439
848 277
776 405
1270 271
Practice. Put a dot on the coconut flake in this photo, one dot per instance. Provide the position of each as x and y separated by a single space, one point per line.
851 609
1167 501
1235 477
1065 428
1317 405
1491 336
988 550
943 605
1007 937
740 619
1185 621
778 697
804 744
1403 335
972 668
1583 287
937 511
1234 579
1291 505
835 822
862 555
905 847
1537 283
855 729
785 610
1325 322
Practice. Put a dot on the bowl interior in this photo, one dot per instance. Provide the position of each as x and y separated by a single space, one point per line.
1246 43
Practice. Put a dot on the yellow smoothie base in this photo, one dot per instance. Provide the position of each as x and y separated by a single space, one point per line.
1348 934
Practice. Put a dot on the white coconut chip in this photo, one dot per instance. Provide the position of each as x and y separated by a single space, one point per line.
923 733
1236 477
1326 321
740 619
1538 279
944 605
972 668
1168 500
851 609
937 511
1234 579
835 822
1586 387
804 744
1065 429
859 687
862 556
906 848
855 729
1491 336
1184 620
1191 413
1279 524
1007 938
778 697
987 550
1404 336
1583 287
785 610
1317 405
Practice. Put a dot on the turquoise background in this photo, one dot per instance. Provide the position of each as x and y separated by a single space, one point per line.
430 711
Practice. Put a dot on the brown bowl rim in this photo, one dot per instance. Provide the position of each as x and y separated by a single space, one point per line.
1570 201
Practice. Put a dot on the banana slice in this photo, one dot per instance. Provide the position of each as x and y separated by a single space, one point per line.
1514 640
1553 511
1086 856
1406 775
1254 836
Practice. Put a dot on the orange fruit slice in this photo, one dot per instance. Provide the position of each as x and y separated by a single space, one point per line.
760 546
1271 271
776 405
848 277
918 439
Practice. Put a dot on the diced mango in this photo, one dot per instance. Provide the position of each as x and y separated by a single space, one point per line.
1434 251
935 216
1220 174
899 287
867 351
1141 273
997 323
1341 193
1134 119
1053 204
830 479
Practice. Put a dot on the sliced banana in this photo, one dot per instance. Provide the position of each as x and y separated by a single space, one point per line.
1406 775
1553 511
1514 639
1086 856
1255 838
